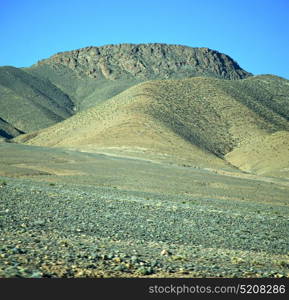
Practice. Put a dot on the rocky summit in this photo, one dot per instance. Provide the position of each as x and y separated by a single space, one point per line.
148 61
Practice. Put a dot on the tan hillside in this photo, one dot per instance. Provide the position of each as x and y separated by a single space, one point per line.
199 120
268 154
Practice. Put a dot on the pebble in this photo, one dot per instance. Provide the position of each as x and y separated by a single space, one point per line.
205 238
165 252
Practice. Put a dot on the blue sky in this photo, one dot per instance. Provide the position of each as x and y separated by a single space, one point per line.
255 33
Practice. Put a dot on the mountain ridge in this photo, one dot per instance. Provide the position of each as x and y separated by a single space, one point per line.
148 61
91 75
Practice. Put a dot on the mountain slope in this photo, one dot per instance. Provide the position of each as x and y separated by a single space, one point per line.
7 131
29 103
201 120
83 90
268 154
93 74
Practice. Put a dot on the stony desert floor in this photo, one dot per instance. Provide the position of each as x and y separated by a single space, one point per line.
67 213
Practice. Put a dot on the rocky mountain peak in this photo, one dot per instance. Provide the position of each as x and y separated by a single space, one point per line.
147 61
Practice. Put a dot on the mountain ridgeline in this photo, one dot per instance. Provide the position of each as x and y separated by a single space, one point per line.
155 101
95 74
147 61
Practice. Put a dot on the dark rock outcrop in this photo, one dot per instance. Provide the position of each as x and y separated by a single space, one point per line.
147 61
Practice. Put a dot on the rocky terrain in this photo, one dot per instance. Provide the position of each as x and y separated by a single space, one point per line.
143 160
73 214
147 61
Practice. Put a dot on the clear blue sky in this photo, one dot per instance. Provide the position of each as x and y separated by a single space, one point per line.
255 33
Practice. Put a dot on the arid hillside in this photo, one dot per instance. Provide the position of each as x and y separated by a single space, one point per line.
94 74
30 103
205 121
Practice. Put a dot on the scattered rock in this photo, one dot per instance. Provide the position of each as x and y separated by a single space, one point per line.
39 222
165 252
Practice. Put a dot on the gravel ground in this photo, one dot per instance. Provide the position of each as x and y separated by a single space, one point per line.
69 230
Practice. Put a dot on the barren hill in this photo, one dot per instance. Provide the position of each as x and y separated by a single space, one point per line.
29 103
146 61
93 74
202 120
